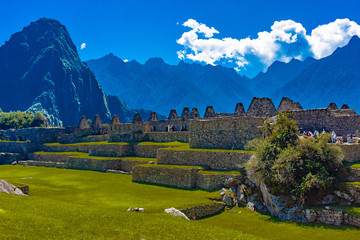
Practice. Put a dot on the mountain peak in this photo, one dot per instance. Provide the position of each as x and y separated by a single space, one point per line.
155 62
46 71
354 40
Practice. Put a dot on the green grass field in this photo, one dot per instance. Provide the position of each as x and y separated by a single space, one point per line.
74 204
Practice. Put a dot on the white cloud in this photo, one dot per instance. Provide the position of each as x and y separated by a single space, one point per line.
286 40
125 60
326 38
83 46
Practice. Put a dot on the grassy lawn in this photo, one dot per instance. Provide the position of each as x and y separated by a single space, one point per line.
74 204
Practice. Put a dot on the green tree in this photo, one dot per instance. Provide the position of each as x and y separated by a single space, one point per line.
289 164
19 119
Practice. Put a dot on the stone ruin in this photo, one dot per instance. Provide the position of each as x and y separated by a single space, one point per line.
239 110
115 120
153 117
185 114
209 112
97 123
238 127
173 114
194 114
332 106
287 104
345 106
137 118
83 124
261 107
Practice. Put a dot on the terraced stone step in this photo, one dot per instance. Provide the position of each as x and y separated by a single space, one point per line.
41 163
351 152
213 180
93 148
169 175
353 172
78 160
182 176
113 149
216 159
8 158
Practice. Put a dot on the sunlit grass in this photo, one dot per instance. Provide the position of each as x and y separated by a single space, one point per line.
74 204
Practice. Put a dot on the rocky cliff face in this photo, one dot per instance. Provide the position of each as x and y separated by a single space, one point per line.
40 70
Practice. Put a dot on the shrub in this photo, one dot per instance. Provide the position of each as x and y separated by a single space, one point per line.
19 119
289 164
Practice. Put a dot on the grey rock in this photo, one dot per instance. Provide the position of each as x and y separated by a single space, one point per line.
228 200
251 206
9 188
344 196
175 212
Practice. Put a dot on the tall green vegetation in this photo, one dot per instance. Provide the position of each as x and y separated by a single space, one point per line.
291 164
19 119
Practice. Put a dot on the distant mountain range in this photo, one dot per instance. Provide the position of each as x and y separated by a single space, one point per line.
157 85
40 70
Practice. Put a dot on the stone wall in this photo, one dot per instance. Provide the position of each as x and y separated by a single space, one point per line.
351 152
49 157
182 136
211 181
219 160
230 133
340 121
261 107
332 216
287 104
93 164
18 147
199 212
108 150
38 135
147 151
176 176
111 150
8 158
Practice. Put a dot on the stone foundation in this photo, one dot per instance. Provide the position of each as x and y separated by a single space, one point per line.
17 147
169 136
199 212
8 158
218 160
351 152
332 217
227 133
212 181
176 176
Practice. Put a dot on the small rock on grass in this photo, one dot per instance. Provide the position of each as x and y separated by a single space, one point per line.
175 212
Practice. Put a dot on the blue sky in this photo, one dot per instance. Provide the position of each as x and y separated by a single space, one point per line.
143 29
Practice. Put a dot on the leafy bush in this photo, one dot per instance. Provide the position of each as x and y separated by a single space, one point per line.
19 119
289 164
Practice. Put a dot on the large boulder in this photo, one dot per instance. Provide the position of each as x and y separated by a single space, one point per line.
9 188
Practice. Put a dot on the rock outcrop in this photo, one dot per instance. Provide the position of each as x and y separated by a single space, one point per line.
9 188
